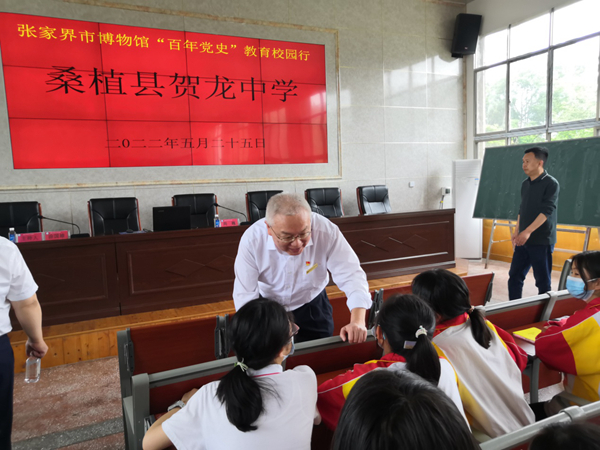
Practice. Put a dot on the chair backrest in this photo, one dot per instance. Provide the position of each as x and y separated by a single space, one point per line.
24 217
156 348
331 354
518 312
480 288
113 215
521 438
202 207
566 271
256 203
325 201
177 344
373 200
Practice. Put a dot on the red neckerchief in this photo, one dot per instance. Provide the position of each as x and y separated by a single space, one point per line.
443 326
392 357
593 304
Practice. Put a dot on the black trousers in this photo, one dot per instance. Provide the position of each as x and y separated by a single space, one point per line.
7 375
315 319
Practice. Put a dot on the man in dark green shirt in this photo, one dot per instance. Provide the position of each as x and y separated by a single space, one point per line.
535 233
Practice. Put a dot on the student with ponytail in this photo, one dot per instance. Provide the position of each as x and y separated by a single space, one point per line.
257 404
486 359
405 325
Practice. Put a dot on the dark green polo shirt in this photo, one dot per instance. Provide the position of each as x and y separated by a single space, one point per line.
539 196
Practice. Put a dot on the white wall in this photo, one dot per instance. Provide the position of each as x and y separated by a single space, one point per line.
401 99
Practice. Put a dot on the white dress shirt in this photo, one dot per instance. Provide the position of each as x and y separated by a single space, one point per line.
16 282
294 280
285 424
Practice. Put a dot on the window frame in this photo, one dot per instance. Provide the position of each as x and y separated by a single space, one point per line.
548 128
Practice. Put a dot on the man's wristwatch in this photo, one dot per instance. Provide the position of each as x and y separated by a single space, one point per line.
177 404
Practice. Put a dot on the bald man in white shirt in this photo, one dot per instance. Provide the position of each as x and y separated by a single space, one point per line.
286 257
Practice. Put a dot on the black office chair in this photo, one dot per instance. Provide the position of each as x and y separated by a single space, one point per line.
202 208
325 201
24 217
373 200
256 203
113 215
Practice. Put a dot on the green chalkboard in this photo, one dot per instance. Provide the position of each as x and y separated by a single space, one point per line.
575 164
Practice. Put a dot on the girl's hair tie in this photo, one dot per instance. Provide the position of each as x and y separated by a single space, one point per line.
420 331
241 365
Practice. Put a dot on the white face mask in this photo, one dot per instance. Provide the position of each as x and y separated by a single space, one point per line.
576 287
291 351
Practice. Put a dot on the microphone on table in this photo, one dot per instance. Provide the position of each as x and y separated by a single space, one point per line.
73 236
235 211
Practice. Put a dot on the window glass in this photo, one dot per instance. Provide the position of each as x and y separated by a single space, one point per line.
572 134
576 20
491 99
575 81
527 94
530 36
532 138
492 49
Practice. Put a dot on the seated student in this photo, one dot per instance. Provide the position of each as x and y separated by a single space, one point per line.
404 326
399 410
486 359
256 405
571 344
570 436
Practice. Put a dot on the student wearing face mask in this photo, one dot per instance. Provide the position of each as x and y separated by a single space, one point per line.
257 405
571 344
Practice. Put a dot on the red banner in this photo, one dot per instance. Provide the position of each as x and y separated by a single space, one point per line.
84 94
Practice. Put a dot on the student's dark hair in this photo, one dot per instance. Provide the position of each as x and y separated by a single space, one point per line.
399 319
258 332
570 436
388 410
540 153
448 296
588 265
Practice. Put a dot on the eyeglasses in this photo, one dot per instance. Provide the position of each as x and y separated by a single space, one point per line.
289 240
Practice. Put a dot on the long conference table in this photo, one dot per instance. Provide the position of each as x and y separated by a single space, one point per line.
96 277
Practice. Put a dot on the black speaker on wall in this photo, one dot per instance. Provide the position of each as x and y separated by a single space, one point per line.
466 30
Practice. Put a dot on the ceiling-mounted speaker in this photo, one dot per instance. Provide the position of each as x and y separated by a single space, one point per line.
466 30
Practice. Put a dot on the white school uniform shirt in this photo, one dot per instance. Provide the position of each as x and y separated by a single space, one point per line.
16 281
447 383
294 280
489 381
286 423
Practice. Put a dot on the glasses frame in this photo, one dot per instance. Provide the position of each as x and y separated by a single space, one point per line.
292 239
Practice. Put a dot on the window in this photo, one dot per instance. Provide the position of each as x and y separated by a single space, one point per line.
534 85
530 36
492 91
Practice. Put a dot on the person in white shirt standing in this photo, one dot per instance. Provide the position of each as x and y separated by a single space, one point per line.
286 257
17 289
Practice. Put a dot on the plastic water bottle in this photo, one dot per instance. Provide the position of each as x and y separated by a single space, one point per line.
33 367
217 221
12 236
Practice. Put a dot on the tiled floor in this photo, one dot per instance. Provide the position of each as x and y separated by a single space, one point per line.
77 406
